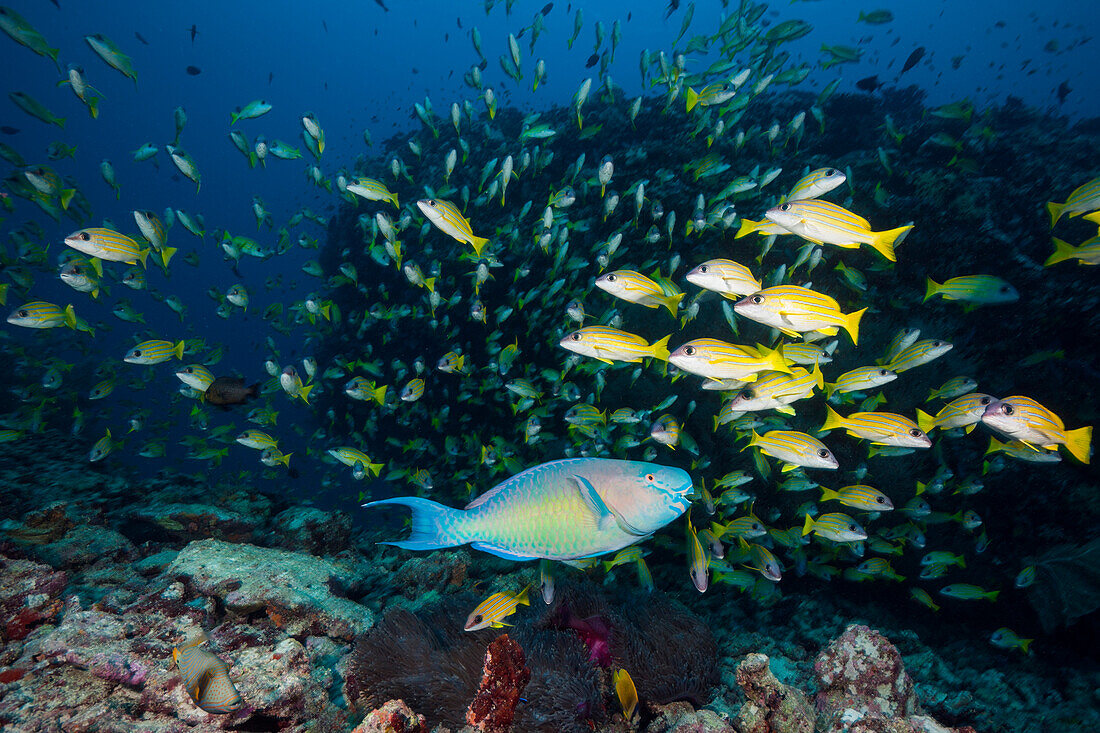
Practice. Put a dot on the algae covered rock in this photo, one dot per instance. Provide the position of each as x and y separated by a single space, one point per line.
302 594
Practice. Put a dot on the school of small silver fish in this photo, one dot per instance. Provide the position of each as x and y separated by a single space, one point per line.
501 292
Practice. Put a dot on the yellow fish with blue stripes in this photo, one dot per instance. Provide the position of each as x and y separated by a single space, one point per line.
882 428
1085 198
373 190
40 314
823 222
610 344
107 244
155 351
816 183
205 677
1022 418
795 310
490 612
634 287
448 219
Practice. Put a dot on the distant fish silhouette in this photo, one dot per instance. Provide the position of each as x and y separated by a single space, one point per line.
9 130
194 32
870 84
592 61
194 70
546 9
1063 92
913 60
382 5
138 36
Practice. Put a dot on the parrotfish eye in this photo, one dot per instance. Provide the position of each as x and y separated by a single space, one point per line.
689 350
650 478
758 299
85 236
575 336
824 453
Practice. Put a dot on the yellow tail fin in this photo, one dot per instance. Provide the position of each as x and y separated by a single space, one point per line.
1077 443
808 525
774 359
1062 251
829 494
672 302
660 348
925 421
692 99
748 226
932 289
851 325
178 350
1055 212
478 244
832 419
883 242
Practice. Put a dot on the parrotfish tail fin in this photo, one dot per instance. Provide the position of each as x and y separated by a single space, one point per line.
1062 251
692 98
883 242
93 107
829 494
851 324
833 421
67 196
932 289
142 255
434 526
660 348
672 302
70 317
925 421
178 350
808 525
748 226
1077 443
1055 212
393 200
478 244
304 392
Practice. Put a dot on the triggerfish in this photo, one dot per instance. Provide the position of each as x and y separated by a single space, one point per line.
205 677
562 510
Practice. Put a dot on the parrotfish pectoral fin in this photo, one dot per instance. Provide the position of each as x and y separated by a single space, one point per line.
603 511
434 525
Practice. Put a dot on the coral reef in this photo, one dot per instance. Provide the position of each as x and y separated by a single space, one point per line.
503 679
300 593
771 706
393 717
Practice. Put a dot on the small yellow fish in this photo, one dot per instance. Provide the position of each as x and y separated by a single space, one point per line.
494 608
626 692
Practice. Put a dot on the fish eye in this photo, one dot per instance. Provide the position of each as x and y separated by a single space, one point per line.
703 268
477 619
22 314
188 370
611 278
985 400
1004 288
882 372
830 171
746 394
916 433
135 352
755 526
824 453
852 528
1007 409
689 350
85 236
650 477
880 500
575 336
785 207
758 299
937 343
431 202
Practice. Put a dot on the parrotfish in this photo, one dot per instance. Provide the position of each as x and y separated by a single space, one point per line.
562 510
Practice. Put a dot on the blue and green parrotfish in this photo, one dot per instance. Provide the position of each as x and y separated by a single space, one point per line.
562 510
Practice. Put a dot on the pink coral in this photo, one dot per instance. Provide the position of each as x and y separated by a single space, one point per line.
502 681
